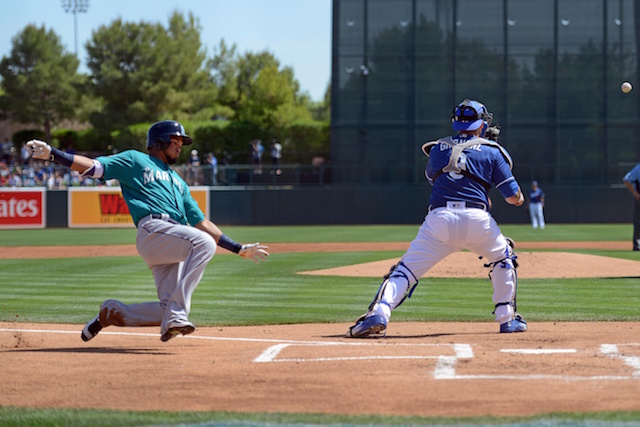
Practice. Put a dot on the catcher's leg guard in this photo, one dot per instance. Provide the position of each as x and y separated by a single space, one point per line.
397 286
504 279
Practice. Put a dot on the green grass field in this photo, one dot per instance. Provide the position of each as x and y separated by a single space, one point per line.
329 233
235 291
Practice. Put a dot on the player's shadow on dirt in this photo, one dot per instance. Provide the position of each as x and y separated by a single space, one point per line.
404 337
96 350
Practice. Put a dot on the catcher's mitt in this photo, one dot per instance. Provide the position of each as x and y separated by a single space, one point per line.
492 133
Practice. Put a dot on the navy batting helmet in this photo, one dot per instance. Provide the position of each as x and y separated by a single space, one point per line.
470 115
159 134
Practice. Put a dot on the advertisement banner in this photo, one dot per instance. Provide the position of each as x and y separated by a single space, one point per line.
104 207
20 208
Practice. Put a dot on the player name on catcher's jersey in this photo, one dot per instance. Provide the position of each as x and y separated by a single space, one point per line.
487 161
445 147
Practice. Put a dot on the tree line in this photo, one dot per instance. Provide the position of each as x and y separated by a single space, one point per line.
143 72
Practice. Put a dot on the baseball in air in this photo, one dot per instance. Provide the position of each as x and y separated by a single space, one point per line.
626 87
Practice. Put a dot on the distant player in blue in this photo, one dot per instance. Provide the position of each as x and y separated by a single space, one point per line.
536 206
462 169
174 238
632 181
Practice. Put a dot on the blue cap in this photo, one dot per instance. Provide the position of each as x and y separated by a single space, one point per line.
534 183
470 115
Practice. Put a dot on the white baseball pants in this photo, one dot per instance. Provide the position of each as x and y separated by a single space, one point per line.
537 215
444 231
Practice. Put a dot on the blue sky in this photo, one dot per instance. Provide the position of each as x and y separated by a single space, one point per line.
297 32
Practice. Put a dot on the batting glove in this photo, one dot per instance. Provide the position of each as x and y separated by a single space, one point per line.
254 251
39 149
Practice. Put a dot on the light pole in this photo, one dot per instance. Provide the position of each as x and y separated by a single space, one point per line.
75 7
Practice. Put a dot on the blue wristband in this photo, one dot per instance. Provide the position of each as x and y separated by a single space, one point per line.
228 244
58 156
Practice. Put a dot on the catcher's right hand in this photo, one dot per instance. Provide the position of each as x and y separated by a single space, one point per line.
254 251
39 149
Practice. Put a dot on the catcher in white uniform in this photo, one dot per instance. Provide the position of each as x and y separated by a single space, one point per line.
462 170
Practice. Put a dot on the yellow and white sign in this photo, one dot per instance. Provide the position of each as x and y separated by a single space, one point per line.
104 207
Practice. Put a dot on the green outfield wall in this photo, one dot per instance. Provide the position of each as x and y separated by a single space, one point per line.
379 205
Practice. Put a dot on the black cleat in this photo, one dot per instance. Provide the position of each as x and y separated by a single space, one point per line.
91 329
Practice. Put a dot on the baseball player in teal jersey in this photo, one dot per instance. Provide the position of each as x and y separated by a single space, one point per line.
174 238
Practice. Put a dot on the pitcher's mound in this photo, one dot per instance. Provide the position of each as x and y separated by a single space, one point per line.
533 265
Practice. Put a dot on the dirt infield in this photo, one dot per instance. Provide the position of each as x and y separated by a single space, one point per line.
425 369
532 265
462 264
16 252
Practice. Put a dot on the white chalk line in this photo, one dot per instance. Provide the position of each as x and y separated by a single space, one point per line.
462 351
353 358
568 378
444 369
612 350
260 340
539 350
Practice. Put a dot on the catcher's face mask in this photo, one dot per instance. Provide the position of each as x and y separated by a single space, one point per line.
470 115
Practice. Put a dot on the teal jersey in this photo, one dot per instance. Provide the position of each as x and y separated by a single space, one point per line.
150 186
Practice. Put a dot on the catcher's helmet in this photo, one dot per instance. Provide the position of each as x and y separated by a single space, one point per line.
470 115
159 134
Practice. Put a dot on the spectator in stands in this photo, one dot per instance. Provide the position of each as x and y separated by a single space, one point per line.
260 149
24 154
15 179
212 163
9 151
4 174
194 167
276 155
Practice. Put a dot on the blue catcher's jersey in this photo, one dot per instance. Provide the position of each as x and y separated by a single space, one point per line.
633 176
482 161
535 196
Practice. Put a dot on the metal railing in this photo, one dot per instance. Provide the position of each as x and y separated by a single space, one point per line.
296 175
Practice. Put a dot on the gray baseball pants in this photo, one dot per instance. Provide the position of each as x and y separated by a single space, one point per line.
177 256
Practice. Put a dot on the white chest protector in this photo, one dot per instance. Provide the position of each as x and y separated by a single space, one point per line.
456 152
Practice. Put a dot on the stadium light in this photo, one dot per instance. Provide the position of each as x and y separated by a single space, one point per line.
75 7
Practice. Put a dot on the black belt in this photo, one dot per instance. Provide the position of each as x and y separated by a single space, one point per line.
471 205
167 218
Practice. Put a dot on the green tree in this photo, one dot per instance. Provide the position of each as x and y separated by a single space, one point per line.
224 69
39 80
192 91
321 110
145 72
258 89
270 99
